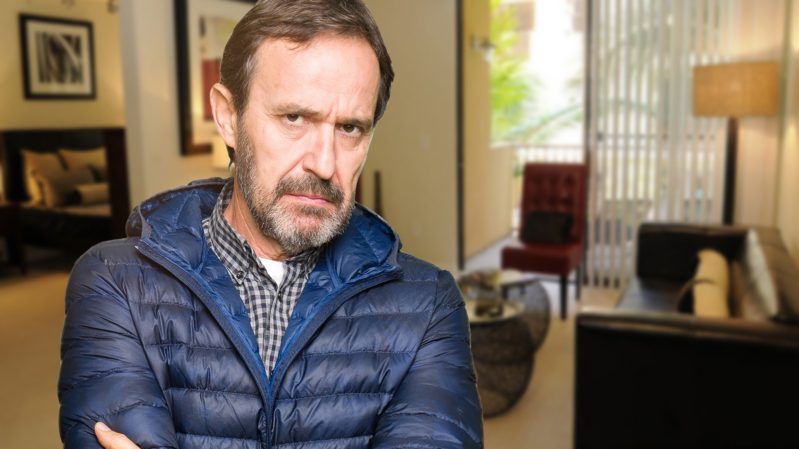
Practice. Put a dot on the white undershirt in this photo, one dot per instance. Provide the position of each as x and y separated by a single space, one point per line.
275 268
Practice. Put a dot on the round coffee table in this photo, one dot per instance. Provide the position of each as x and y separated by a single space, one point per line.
531 294
503 352
509 317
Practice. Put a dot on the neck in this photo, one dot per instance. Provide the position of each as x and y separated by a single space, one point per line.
240 218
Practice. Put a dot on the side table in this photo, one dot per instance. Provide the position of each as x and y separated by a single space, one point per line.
503 351
509 318
10 230
527 290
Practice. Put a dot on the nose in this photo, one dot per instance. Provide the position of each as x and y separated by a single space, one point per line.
320 159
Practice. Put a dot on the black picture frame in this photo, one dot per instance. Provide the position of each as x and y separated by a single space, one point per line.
57 58
196 127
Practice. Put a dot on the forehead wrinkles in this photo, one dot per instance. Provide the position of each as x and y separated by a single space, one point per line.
328 65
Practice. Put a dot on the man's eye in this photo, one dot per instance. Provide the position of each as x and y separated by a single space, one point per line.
350 129
293 118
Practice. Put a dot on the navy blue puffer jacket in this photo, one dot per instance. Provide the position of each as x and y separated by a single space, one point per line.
157 344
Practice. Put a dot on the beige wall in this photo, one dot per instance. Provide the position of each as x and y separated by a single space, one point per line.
415 143
487 173
106 110
759 37
788 193
154 160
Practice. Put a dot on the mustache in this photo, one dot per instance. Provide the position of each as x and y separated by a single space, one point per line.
310 184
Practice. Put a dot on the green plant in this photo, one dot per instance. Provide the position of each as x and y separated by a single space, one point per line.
516 115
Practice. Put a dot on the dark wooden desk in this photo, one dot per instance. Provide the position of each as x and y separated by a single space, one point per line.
10 230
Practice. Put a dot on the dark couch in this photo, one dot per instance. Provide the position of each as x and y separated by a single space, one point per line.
650 376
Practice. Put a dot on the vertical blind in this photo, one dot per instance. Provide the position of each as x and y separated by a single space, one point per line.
649 158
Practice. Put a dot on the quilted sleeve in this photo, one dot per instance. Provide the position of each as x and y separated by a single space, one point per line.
105 375
437 404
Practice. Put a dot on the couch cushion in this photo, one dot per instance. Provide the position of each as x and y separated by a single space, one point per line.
744 300
37 165
57 187
94 193
546 227
651 294
779 281
542 258
94 159
668 250
760 275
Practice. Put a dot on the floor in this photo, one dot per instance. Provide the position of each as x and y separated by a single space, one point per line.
543 416
31 317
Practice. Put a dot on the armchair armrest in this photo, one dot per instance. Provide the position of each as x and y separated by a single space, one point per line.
629 322
663 380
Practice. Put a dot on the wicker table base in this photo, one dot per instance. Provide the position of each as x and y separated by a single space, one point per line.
508 324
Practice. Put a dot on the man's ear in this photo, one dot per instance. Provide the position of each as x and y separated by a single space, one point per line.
224 113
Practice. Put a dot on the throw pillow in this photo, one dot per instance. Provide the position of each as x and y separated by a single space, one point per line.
94 193
546 227
94 159
707 293
35 164
57 188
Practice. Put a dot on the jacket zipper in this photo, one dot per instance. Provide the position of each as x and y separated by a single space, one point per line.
334 302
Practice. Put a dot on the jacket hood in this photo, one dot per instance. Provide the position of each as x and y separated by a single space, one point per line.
171 222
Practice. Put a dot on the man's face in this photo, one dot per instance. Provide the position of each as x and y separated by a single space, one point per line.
303 140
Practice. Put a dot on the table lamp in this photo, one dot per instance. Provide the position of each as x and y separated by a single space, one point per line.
742 89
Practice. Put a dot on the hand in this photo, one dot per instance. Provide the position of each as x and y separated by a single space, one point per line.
110 439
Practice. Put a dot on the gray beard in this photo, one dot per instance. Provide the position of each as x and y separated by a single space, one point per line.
280 222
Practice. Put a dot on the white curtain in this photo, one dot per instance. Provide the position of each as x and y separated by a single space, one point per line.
650 158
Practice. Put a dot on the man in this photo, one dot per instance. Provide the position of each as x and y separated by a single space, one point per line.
269 311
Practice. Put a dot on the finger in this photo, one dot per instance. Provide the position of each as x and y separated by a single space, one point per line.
110 439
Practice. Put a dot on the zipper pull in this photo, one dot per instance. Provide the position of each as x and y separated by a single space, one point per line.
263 427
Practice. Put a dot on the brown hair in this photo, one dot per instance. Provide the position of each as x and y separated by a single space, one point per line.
299 21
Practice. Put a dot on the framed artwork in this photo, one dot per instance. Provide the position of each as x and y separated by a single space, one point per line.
57 58
203 28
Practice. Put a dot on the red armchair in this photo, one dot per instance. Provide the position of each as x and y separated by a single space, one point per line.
552 188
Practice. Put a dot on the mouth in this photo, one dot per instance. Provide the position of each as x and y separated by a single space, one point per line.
310 199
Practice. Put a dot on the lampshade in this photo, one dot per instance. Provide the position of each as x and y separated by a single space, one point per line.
736 90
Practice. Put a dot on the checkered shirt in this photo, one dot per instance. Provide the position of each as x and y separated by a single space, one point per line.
268 306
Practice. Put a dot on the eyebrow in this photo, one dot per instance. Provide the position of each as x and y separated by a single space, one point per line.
293 108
